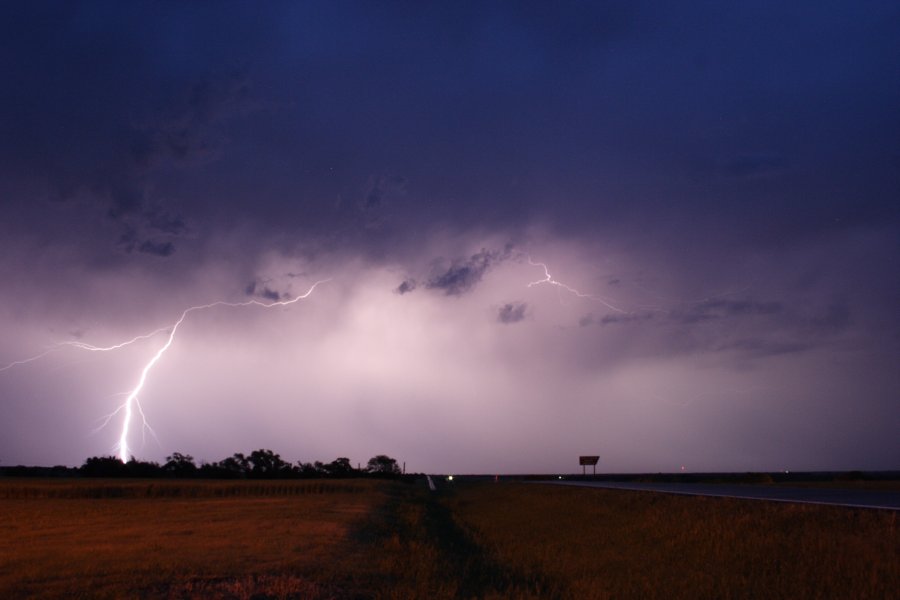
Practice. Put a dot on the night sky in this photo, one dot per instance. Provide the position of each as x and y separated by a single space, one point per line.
665 233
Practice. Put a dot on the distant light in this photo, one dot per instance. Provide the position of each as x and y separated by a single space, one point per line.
450 478
560 477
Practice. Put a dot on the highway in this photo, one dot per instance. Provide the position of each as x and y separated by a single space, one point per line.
879 499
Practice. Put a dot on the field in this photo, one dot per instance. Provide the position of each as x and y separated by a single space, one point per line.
371 539
194 539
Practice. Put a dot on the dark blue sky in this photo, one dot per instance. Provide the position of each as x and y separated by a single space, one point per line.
719 183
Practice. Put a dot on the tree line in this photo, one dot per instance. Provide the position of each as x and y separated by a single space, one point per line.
259 464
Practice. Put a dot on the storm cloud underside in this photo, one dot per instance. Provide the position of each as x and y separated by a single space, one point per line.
725 177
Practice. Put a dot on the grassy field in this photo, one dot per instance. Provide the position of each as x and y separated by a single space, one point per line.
369 539
584 543
111 539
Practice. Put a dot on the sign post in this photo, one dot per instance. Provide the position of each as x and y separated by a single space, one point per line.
588 460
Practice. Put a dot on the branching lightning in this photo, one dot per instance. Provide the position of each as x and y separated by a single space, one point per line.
25 361
81 346
549 280
131 408
132 402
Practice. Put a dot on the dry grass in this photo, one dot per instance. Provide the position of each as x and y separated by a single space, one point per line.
580 543
168 488
376 540
191 539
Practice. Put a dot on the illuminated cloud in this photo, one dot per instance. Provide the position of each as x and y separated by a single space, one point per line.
723 294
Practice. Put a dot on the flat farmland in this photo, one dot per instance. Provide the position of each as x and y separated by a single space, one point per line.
372 539
596 543
173 539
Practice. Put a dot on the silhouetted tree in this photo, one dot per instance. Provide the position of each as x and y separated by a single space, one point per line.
235 466
266 464
139 468
383 465
110 466
259 464
215 470
339 467
308 470
103 466
23 471
180 465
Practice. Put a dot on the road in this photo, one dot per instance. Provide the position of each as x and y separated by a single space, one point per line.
882 499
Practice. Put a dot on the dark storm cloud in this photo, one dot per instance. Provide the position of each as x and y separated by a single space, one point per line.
184 135
407 286
615 318
187 131
764 348
375 208
460 277
723 309
382 186
269 294
776 316
153 231
96 113
261 290
157 248
464 274
753 329
660 151
118 102
131 240
512 312
834 320
747 329
126 199
160 220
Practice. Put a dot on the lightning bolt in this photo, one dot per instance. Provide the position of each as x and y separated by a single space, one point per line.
549 280
25 361
131 402
81 346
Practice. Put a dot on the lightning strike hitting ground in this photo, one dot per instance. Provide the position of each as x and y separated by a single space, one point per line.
548 279
133 395
131 401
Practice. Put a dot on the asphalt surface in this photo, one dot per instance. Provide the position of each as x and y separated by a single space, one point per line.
882 499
